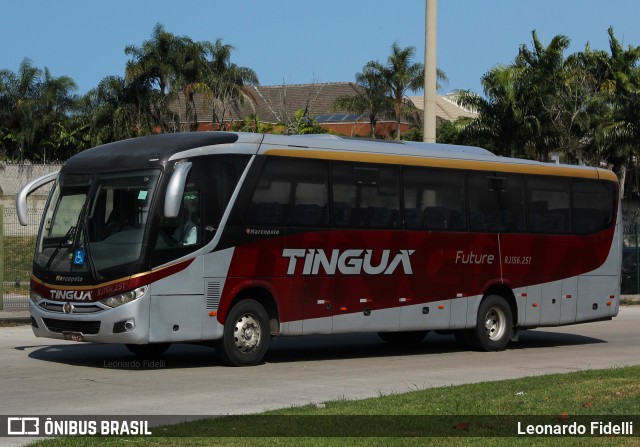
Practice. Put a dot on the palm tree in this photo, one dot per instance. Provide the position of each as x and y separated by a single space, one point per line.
402 75
114 113
155 59
33 103
621 132
56 104
225 80
8 132
167 67
153 66
500 122
189 75
543 75
371 98
22 90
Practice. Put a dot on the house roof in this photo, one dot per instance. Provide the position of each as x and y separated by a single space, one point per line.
277 103
446 108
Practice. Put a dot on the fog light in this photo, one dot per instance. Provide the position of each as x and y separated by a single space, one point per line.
123 326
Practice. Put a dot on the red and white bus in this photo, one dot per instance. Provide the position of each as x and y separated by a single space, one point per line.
234 238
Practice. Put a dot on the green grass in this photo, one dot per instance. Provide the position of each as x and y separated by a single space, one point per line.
18 258
400 420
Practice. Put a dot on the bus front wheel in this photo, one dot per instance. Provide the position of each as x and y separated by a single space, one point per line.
494 325
246 334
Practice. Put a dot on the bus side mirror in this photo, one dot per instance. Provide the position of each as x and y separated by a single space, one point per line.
175 189
21 198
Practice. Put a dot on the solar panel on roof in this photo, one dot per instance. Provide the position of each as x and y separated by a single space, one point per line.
339 117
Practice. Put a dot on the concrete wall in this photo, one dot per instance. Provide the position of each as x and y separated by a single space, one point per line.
12 178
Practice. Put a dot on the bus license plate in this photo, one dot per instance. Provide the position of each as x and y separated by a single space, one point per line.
73 336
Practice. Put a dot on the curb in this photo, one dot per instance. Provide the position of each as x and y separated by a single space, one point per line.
15 316
17 320
630 298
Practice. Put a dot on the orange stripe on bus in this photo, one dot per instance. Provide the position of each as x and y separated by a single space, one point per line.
476 165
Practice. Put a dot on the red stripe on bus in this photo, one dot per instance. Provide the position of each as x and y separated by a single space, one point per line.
104 290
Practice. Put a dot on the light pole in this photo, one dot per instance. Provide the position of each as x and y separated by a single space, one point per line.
429 130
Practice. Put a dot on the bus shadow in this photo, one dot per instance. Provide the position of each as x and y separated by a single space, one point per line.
353 346
282 350
549 339
118 357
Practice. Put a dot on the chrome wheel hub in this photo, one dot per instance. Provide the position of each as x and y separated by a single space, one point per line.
246 333
495 323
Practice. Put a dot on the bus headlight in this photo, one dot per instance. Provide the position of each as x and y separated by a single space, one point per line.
34 297
124 298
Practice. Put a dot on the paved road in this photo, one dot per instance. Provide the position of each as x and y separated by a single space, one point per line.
42 376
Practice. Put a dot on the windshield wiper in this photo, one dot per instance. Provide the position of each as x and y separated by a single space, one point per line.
65 241
87 248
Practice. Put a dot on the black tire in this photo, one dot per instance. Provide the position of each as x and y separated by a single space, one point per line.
150 350
406 338
246 335
494 325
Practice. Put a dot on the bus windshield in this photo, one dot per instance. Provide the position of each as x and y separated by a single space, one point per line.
95 222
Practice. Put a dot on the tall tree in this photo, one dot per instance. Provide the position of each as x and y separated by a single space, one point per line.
57 104
189 76
620 134
151 69
500 123
168 69
32 102
155 59
399 75
22 92
114 113
225 81
402 75
543 74
370 98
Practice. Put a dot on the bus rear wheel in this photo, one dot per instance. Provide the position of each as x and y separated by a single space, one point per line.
150 350
246 335
403 338
494 325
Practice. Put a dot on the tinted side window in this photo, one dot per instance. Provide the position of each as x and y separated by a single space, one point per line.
290 192
548 204
593 205
224 172
496 202
186 228
434 199
207 193
366 196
